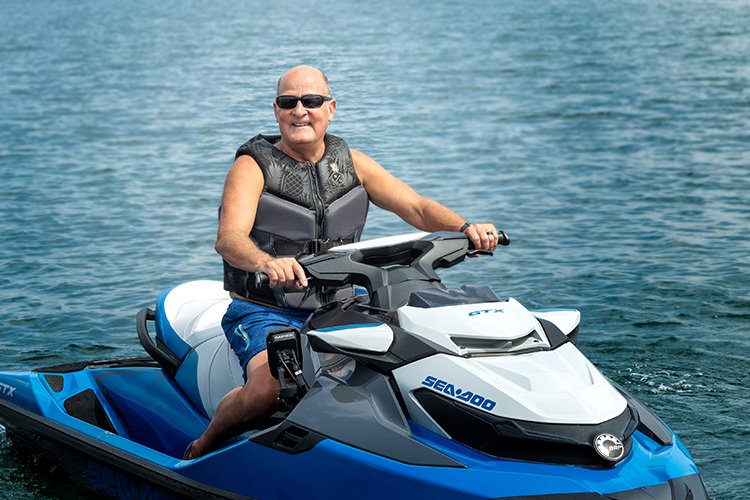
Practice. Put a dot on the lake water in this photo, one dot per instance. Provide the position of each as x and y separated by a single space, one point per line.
611 140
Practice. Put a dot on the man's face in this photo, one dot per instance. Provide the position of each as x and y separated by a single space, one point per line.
302 125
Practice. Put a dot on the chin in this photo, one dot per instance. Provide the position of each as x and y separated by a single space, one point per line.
303 136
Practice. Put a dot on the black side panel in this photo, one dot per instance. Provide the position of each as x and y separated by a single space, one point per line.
682 488
689 488
410 348
289 438
649 424
339 313
86 406
56 382
363 412
573 336
502 437
555 336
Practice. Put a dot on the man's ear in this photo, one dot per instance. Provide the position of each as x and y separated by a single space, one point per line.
331 110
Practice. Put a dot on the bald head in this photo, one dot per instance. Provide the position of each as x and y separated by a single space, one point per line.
312 77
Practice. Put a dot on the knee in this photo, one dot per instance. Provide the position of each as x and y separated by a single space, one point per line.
261 392
268 390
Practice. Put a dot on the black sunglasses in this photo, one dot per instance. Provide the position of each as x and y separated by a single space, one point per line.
309 101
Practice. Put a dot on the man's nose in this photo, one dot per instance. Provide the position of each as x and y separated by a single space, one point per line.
299 109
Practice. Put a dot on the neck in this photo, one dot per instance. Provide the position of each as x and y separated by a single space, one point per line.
303 152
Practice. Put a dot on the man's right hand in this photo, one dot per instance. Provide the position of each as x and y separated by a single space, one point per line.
284 272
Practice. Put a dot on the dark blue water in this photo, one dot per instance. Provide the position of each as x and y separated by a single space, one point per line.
610 139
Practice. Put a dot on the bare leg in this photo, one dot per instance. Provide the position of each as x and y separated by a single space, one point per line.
236 411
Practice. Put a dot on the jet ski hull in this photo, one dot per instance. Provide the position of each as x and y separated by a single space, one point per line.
119 427
409 391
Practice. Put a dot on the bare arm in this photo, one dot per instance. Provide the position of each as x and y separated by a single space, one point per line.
394 195
239 204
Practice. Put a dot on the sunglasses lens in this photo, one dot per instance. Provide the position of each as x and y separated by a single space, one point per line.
312 101
287 101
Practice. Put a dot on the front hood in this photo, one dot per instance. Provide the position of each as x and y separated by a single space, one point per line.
502 363
476 328
558 386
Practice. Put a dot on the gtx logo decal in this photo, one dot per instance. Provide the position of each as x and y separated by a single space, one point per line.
458 393
7 390
484 311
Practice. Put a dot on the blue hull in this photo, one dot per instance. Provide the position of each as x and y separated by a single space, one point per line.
122 426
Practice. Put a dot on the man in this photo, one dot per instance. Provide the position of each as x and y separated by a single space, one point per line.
297 193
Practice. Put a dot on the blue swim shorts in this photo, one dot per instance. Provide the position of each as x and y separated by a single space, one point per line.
246 326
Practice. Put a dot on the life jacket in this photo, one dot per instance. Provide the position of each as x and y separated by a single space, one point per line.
305 208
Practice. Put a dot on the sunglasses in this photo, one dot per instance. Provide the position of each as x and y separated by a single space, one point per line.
309 101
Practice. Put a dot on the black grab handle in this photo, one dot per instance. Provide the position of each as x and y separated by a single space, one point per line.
166 359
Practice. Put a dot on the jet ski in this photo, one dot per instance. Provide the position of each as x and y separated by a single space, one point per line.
405 389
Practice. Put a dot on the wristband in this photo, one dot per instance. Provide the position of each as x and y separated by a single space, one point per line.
466 226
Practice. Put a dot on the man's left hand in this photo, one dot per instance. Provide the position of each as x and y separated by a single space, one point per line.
483 236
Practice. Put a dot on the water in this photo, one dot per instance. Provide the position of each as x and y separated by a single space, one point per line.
610 139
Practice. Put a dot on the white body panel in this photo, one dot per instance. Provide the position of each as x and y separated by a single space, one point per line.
565 319
373 338
476 323
558 386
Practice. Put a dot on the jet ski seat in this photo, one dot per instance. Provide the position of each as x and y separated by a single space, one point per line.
188 325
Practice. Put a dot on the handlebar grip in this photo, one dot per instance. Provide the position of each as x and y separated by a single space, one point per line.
261 279
503 238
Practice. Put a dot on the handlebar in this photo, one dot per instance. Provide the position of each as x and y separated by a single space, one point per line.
262 279
402 254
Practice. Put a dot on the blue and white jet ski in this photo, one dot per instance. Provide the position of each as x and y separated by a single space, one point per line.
409 391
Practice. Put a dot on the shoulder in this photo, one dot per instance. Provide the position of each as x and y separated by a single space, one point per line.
245 162
366 167
362 160
245 169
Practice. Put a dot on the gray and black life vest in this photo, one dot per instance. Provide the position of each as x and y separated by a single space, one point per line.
304 208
